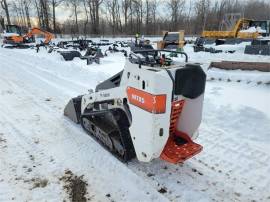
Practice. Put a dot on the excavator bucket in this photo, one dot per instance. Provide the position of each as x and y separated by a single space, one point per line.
73 109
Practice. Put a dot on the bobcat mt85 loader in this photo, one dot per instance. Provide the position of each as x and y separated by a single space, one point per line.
151 109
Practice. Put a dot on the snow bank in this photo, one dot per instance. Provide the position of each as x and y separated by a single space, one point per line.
253 30
9 34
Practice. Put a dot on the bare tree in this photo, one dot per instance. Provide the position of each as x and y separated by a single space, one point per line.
17 8
94 7
46 10
176 8
138 10
75 4
132 16
125 9
22 12
201 9
87 17
5 7
2 23
55 4
43 11
150 8
36 4
188 18
147 16
27 4
257 10
113 8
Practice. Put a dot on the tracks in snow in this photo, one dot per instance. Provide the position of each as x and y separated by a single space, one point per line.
229 167
26 117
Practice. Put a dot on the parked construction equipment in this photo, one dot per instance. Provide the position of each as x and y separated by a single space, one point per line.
140 45
172 40
235 65
102 42
16 36
114 49
132 115
258 47
81 44
241 30
122 44
93 54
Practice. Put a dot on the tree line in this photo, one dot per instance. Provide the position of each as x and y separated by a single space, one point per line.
127 17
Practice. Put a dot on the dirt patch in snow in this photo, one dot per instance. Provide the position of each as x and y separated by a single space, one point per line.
75 186
162 190
3 141
39 183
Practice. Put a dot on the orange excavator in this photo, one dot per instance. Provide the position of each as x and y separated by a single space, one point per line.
16 35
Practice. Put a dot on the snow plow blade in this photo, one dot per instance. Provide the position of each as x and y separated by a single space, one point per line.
73 109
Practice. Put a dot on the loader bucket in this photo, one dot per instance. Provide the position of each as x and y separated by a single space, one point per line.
73 109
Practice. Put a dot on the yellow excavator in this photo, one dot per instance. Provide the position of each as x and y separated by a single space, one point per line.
15 35
241 30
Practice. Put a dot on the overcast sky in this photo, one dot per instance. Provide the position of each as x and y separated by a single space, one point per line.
63 12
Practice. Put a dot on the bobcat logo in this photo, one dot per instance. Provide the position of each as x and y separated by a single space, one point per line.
137 98
149 102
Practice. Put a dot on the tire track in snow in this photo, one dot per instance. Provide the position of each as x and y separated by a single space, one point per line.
233 165
29 155
229 165
81 146
158 181
48 78
217 175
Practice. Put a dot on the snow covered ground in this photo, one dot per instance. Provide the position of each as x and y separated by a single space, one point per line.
38 144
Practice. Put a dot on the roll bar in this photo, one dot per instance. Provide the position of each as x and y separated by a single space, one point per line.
161 50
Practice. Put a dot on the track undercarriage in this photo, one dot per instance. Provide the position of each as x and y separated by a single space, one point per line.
111 129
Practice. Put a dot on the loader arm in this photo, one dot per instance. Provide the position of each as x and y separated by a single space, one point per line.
36 31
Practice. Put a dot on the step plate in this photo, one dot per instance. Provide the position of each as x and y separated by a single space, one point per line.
174 153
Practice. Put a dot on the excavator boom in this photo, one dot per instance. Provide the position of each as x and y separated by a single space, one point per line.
36 31
15 36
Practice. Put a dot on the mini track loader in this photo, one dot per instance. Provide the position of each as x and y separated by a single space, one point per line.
151 109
